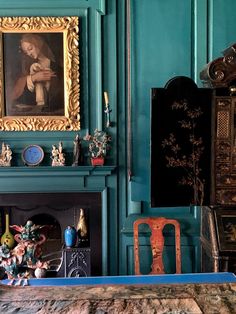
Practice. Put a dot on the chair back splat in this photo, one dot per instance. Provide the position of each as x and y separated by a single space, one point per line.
157 243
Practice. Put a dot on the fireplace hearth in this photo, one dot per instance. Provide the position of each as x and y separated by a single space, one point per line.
57 211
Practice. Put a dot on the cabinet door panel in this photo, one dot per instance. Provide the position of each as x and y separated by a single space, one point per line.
180 144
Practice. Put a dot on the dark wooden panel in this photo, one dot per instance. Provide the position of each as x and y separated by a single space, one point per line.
188 99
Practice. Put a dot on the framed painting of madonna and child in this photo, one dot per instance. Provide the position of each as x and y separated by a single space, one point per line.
39 74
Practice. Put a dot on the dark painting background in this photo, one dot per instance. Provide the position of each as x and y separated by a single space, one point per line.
12 66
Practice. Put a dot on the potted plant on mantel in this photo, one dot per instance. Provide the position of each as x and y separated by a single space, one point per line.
98 146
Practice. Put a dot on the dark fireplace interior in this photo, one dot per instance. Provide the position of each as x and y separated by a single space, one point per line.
57 211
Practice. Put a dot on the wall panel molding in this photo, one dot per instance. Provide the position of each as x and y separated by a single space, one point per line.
199 37
15 4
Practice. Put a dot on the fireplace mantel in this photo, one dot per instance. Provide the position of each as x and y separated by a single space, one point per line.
54 179
61 185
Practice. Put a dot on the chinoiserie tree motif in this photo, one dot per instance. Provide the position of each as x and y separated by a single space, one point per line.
177 157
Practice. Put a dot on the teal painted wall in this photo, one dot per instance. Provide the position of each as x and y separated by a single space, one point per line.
167 38
95 76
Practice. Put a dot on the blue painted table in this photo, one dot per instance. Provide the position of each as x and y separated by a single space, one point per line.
185 293
193 278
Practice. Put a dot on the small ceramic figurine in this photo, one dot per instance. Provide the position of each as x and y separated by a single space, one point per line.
5 156
25 259
77 151
61 155
8 154
82 229
57 155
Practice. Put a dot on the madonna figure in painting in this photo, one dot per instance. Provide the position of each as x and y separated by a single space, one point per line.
37 87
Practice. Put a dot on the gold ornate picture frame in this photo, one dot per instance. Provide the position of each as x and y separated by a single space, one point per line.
39 66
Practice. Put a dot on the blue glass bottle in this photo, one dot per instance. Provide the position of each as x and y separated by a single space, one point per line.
70 236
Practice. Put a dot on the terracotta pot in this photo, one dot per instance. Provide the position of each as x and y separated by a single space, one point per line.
98 161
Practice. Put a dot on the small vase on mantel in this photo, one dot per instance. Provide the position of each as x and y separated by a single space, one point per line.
7 237
70 237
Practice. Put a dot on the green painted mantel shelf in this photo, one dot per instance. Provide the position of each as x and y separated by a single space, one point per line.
54 179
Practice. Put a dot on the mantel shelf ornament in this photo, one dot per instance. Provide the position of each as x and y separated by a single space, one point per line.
99 144
5 155
57 155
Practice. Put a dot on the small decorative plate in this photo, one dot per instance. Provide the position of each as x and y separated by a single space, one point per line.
32 155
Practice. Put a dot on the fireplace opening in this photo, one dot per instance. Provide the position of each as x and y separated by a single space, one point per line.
57 211
52 231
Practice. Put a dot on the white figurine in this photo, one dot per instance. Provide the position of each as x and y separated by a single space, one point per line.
57 156
5 156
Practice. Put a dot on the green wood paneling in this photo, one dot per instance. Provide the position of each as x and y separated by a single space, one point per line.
54 179
221 22
45 178
199 37
168 38
164 44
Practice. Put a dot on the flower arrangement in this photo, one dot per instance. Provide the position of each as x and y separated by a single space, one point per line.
99 143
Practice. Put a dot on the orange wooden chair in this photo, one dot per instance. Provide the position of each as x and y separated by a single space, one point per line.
157 243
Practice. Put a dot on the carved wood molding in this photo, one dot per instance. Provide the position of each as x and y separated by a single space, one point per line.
221 71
